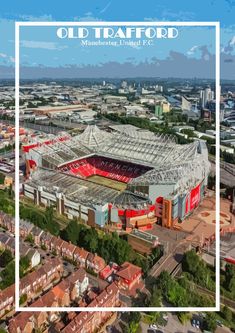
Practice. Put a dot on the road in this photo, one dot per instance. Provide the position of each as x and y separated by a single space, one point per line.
227 172
173 326
42 128
37 127
171 261
225 301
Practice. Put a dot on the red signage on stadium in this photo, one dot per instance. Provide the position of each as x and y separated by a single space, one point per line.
195 197
186 206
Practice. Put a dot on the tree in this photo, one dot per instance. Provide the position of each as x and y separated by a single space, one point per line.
164 282
91 240
155 298
210 322
30 238
133 322
132 327
8 275
184 317
23 298
230 278
2 178
24 265
71 232
2 330
227 314
5 258
197 268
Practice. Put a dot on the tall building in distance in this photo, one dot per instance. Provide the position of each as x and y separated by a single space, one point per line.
206 96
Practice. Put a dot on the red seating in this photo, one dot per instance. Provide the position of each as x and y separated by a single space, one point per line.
105 167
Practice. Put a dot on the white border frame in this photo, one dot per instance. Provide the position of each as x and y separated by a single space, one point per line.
216 25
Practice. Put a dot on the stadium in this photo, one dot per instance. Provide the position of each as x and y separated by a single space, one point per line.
125 177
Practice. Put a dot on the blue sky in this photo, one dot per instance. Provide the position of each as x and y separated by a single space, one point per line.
191 54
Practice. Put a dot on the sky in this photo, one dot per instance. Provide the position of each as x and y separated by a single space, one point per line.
43 54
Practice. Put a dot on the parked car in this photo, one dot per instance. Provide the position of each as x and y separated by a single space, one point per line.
193 323
153 326
219 323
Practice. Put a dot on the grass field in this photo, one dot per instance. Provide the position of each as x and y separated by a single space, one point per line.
108 182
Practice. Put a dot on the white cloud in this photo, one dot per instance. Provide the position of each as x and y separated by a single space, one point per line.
230 47
88 17
105 8
42 18
232 41
7 58
192 50
42 45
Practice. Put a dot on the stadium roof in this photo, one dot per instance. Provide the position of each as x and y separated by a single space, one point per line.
172 163
83 191
129 199
93 137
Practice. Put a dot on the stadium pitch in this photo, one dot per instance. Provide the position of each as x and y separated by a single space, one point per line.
120 186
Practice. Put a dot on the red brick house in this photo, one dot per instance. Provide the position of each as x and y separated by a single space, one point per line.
80 256
95 262
67 250
38 280
56 245
89 322
22 323
7 300
46 240
128 276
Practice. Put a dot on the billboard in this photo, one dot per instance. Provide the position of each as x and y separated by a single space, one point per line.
195 196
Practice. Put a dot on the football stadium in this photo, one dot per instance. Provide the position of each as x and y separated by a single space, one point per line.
126 178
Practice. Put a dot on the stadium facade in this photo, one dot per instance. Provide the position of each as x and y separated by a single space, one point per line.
126 178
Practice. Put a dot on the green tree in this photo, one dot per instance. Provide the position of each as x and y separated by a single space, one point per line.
2 178
5 258
227 314
30 238
91 240
197 268
8 275
210 322
164 282
230 278
2 330
132 327
71 232
184 317
24 265
155 298
23 298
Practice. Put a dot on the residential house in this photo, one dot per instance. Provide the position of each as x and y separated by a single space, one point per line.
95 262
128 276
67 250
7 222
32 254
56 245
7 299
46 240
37 234
79 283
22 323
6 243
41 279
89 322
25 228
80 256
